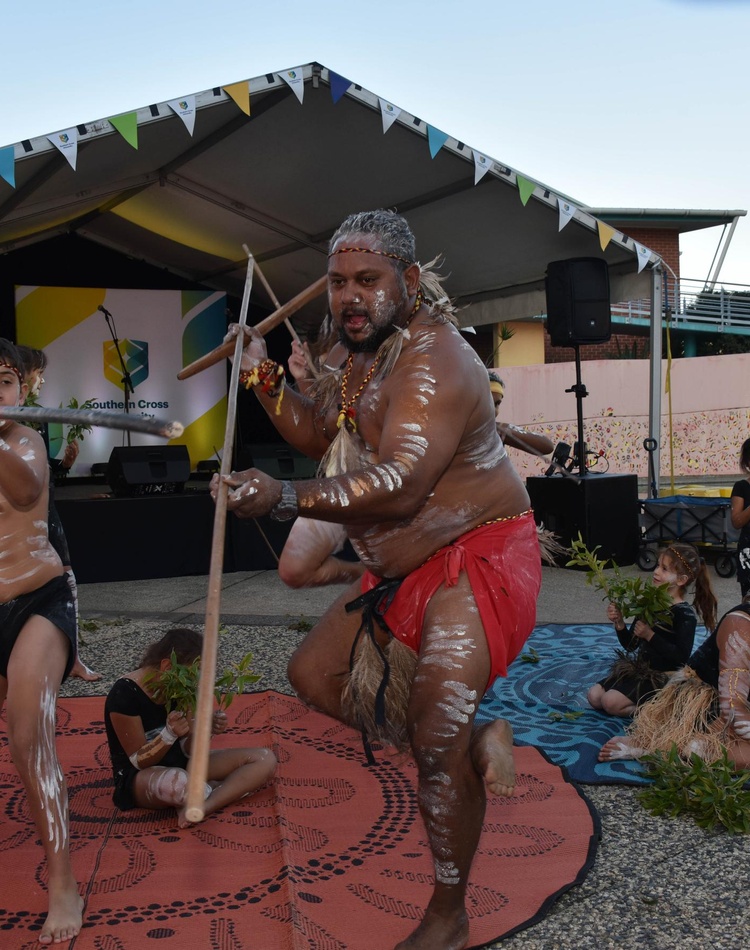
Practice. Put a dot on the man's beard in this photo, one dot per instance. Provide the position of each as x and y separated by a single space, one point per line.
380 334
370 345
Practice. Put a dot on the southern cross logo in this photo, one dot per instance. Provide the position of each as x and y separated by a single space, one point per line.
135 357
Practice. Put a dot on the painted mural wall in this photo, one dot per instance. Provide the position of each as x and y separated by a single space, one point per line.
710 418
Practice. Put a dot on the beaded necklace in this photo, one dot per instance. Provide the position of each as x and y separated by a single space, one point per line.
347 411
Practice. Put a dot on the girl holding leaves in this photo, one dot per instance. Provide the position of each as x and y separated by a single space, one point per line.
150 742
653 646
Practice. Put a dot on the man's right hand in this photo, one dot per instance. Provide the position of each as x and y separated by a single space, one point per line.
255 346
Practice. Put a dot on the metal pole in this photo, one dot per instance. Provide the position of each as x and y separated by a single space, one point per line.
655 384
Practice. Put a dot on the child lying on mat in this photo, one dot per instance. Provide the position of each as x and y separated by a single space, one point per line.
150 748
654 653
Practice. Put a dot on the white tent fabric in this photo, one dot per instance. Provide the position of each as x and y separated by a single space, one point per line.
281 179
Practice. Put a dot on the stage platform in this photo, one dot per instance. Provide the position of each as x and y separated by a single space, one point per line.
120 539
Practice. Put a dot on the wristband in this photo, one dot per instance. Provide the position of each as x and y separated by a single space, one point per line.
286 507
167 736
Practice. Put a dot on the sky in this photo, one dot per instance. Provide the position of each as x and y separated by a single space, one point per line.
638 104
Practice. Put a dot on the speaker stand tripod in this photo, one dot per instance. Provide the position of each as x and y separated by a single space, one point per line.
579 449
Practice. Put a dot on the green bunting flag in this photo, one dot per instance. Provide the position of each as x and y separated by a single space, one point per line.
525 188
127 126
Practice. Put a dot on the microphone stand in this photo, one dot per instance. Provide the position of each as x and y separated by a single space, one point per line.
127 383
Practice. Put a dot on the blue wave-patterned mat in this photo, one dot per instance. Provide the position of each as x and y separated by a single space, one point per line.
536 697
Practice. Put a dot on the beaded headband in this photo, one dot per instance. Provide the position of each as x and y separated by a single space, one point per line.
688 569
368 250
15 369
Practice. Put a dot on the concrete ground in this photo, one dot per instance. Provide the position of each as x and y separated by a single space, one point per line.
656 882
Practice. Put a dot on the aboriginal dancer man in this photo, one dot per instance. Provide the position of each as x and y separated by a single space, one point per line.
413 465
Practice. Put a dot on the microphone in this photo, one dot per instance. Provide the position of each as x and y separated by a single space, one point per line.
104 311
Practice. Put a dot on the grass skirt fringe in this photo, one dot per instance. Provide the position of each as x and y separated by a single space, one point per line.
683 713
358 700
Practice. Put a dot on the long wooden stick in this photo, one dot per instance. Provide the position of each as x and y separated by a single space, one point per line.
287 321
198 770
265 326
107 418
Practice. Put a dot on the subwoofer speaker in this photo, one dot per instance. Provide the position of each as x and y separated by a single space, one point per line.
136 470
578 305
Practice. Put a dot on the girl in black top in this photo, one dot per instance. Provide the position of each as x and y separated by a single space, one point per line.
150 749
740 515
651 654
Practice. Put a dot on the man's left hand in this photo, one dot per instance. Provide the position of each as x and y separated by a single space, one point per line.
250 494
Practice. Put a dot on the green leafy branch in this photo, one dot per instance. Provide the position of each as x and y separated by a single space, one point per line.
633 596
76 432
177 686
711 793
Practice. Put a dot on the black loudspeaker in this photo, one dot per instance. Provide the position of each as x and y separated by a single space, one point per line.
277 459
136 470
604 509
578 306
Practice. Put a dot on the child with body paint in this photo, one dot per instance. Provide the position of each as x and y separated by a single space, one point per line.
654 653
150 748
37 644
35 363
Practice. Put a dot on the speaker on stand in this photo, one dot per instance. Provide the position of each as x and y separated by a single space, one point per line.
578 311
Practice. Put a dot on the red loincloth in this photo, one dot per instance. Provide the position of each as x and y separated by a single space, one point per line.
503 564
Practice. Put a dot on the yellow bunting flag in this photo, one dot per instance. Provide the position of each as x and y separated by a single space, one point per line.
606 233
240 92
525 188
127 126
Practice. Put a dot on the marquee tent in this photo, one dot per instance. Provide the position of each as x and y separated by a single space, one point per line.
275 163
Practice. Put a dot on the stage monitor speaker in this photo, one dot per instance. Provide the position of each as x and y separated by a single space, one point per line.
604 509
136 470
578 305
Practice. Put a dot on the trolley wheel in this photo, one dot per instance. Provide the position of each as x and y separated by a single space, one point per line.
725 565
646 558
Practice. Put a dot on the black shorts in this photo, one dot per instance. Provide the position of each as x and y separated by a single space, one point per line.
54 602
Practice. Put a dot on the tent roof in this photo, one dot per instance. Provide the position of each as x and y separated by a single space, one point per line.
282 179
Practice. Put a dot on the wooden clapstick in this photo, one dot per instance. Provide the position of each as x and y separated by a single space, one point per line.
265 326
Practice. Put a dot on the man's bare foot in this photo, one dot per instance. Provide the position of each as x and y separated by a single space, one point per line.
438 933
492 757
618 748
84 672
65 914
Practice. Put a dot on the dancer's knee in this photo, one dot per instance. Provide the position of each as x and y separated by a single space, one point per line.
167 786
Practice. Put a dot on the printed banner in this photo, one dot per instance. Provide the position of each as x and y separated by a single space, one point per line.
295 79
67 143
643 254
159 332
389 113
185 109
567 213
481 166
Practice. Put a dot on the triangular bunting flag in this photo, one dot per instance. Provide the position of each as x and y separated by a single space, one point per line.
296 82
436 139
567 213
525 188
339 85
389 112
127 126
606 233
481 167
643 255
67 143
240 92
8 165
185 109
